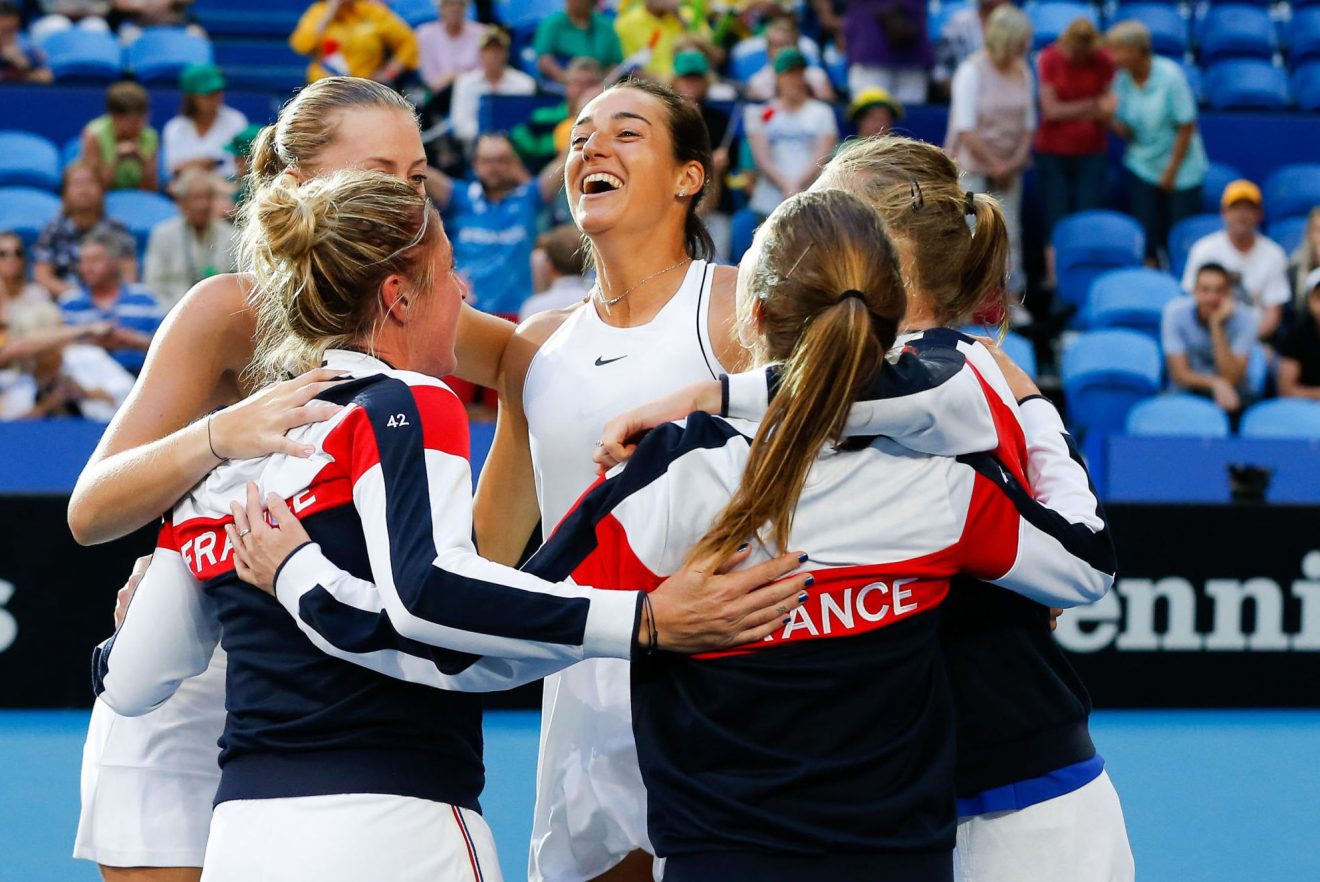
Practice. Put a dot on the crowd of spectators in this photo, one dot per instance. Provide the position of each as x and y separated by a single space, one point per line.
779 84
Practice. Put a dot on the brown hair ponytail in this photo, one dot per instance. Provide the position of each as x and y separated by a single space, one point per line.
828 299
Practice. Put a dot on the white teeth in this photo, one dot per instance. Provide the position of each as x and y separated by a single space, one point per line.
603 177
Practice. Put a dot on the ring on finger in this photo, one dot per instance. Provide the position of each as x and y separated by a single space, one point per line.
600 443
243 532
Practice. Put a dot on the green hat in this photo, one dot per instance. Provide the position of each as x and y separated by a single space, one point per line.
241 145
201 79
691 63
790 58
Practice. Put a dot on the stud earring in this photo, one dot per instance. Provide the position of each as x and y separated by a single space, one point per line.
682 194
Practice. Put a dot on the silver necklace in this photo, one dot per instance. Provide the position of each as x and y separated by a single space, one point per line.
600 295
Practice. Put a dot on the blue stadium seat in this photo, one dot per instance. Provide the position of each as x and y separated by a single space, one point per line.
1130 298
139 211
415 12
1185 234
248 18
1306 86
1091 242
1292 191
1218 176
743 65
1236 31
935 20
160 54
1052 17
1015 346
25 210
1288 232
1105 373
1178 415
1282 418
1303 34
1258 370
28 160
71 152
260 65
1168 29
76 54
517 13
1195 81
1246 84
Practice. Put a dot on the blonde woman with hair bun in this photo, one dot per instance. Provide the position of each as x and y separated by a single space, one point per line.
148 783
352 729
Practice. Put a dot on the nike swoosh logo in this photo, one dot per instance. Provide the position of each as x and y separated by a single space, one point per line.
601 362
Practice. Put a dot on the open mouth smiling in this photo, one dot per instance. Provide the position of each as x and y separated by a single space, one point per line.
600 183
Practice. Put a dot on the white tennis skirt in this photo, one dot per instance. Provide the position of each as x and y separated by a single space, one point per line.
1077 837
148 782
590 800
350 837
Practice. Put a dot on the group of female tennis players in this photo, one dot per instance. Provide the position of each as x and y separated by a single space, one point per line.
804 635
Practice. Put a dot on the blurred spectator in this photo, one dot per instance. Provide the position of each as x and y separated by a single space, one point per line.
60 15
356 38
493 221
1305 258
577 32
790 137
14 285
138 14
782 33
1299 351
692 80
992 119
888 45
55 256
197 137
1072 170
717 89
960 36
192 246
545 133
557 267
1207 340
1156 115
56 376
119 145
874 112
448 47
493 77
241 149
648 31
20 59
104 296
1256 263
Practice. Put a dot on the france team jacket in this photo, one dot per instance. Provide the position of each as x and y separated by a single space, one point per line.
386 499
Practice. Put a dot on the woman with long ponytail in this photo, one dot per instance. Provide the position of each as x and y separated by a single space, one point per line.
1034 799
827 749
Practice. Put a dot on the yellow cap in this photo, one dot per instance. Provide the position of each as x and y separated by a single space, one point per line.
1241 190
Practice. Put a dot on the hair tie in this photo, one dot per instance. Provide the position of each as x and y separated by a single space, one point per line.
970 208
853 292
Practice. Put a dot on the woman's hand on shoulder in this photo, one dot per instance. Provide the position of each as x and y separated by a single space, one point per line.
1019 382
257 425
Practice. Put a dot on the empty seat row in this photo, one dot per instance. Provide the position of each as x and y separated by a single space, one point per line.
155 57
1181 415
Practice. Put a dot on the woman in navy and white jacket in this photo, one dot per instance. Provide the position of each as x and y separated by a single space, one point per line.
341 771
827 747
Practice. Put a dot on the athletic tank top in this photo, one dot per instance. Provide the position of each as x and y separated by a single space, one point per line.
589 372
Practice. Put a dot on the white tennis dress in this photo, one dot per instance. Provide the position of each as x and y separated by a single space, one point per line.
148 782
590 800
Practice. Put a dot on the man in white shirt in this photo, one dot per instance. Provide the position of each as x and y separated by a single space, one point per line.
493 77
1258 265
192 245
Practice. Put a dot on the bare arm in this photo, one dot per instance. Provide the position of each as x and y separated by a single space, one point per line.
1182 374
1231 366
482 339
506 509
1054 109
1290 386
1180 145
156 448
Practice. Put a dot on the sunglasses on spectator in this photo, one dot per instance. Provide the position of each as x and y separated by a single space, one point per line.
8 253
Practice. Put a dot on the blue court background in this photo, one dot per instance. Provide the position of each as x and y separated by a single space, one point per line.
1210 796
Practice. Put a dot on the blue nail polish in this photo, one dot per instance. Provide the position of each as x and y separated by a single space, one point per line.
786 620
802 598
743 547
803 557
811 580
